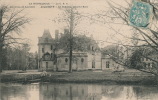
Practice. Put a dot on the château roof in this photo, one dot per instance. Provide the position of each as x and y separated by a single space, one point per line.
46 34
46 37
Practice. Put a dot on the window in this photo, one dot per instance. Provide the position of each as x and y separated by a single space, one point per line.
82 60
66 60
107 64
93 64
51 47
42 50
51 55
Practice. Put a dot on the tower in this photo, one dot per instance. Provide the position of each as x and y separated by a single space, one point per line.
45 51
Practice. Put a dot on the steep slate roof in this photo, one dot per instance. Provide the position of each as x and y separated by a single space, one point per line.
46 37
46 34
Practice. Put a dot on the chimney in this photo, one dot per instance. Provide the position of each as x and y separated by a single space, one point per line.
56 34
66 31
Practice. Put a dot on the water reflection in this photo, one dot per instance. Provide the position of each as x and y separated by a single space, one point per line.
54 91
19 92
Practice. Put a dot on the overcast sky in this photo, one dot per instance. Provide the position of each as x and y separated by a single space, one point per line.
43 19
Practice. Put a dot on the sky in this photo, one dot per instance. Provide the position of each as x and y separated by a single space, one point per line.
43 18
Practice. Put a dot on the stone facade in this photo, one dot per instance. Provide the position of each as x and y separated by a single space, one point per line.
45 51
148 63
81 60
108 63
94 60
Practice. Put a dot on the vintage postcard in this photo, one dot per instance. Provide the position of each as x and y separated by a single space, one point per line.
78 50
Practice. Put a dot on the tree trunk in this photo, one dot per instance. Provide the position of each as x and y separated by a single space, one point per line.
0 58
1 42
156 77
71 40
70 61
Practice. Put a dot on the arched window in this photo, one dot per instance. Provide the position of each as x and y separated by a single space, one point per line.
66 60
82 60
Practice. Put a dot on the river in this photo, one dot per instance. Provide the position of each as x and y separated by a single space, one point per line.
58 91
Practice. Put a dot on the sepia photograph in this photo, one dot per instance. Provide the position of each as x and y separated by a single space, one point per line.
78 49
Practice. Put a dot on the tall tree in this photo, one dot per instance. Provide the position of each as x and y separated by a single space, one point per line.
71 18
25 55
10 21
71 21
81 43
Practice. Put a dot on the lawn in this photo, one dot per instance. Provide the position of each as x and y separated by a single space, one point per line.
127 77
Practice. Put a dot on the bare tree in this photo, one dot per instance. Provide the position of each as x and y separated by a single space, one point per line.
10 21
146 37
71 21
71 18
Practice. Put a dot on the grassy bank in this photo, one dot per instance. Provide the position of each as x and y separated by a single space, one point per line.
106 77
103 77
